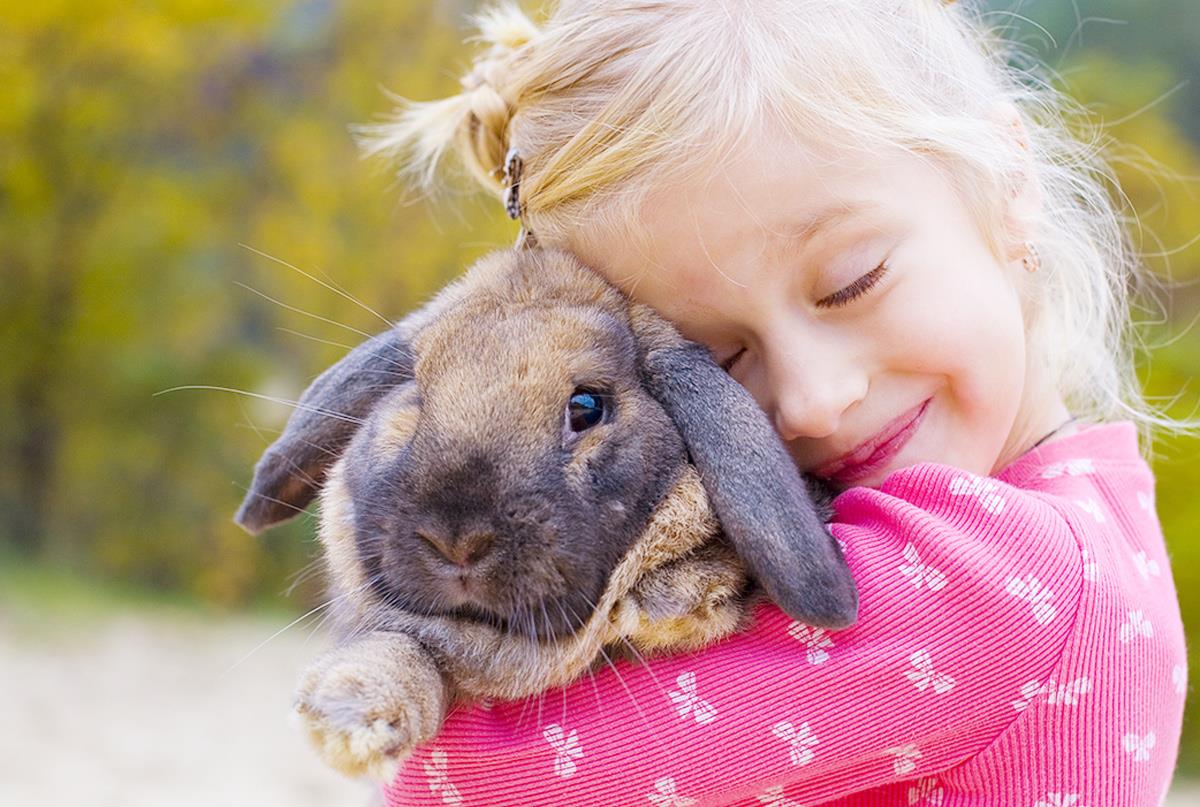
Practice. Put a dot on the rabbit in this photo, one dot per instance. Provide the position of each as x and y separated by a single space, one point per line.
527 471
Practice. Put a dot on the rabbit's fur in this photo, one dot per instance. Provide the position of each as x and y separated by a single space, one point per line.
480 544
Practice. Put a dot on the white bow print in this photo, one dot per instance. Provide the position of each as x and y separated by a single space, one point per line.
1028 691
1179 678
1137 625
1139 746
800 740
1067 694
1059 800
773 797
985 491
1146 567
1056 694
1092 507
665 795
906 757
921 573
923 675
1145 501
1091 569
814 639
1080 467
688 702
566 749
926 791
437 770
1030 589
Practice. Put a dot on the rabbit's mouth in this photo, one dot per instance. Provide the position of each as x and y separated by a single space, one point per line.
546 620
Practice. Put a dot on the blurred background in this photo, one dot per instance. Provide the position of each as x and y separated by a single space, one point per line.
161 166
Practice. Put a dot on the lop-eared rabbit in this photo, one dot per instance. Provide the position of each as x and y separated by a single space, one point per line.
525 474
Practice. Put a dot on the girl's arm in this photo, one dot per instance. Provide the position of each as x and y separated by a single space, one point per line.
969 591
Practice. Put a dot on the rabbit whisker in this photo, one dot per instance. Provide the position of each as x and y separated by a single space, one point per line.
272 398
288 505
320 282
375 616
305 572
541 696
303 474
320 624
323 449
300 311
643 662
312 338
629 692
329 613
277 633
547 625
399 371
592 675
524 642
549 632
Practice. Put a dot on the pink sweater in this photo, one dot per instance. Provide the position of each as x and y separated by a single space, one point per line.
1019 643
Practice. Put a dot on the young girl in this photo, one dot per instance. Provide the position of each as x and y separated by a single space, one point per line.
888 237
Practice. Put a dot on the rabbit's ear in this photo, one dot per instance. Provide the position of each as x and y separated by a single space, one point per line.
330 411
759 496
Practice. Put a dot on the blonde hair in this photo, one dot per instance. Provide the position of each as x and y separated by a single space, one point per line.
606 100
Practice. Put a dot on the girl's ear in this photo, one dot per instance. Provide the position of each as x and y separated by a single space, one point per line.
1024 205
760 498
292 470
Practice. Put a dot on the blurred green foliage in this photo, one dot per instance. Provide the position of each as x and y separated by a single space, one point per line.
145 143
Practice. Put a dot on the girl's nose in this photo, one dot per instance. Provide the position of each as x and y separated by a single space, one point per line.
811 391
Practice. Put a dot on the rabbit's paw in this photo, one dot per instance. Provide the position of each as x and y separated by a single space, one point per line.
691 601
366 705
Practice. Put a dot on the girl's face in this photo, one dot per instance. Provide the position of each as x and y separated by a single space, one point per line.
856 300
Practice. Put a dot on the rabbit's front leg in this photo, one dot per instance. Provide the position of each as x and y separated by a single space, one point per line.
691 601
366 704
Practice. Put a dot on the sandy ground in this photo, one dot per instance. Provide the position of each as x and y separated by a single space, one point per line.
141 710
166 711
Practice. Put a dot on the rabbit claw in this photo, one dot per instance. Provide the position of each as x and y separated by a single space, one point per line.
364 709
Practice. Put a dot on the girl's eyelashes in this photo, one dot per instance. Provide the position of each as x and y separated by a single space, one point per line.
835 300
855 289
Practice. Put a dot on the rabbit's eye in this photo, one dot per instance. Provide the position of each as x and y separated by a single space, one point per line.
584 410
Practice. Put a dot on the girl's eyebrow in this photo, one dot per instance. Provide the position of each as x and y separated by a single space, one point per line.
795 234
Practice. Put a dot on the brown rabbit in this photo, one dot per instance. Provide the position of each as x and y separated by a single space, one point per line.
525 472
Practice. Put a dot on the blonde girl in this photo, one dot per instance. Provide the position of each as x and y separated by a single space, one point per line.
888 237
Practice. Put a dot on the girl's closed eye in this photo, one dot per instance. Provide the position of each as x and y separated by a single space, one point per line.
838 299
856 289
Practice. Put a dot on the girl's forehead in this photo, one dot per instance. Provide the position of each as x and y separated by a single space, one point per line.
777 212
775 197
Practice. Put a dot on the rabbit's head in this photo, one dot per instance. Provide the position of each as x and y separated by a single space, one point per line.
500 450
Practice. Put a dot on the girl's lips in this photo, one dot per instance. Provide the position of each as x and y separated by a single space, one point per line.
874 453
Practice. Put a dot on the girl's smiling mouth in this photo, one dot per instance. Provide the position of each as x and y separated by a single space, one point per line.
874 452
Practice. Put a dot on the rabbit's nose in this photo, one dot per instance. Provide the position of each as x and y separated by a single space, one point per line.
462 550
